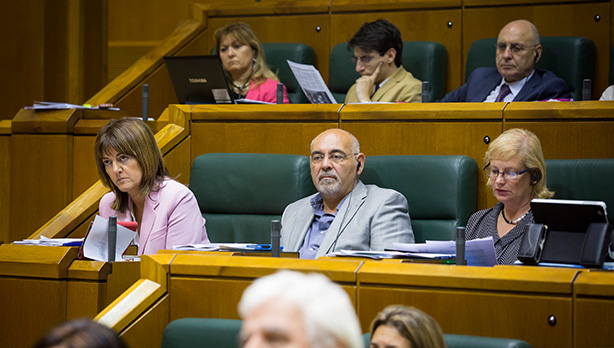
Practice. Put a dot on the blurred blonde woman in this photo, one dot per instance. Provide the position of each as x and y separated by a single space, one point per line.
405 327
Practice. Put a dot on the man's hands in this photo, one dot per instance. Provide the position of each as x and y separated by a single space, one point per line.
365 85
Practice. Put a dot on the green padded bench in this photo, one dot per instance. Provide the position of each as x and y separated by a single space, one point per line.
240 193
583 179
440 190
223 333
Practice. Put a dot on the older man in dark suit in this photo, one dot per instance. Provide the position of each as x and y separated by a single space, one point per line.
515 78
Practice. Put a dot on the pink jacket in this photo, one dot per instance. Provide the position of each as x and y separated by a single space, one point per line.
266 92
171 217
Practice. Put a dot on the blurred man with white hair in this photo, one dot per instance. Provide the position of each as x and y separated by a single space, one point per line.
296 310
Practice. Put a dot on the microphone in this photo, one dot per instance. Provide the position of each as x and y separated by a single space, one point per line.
587 89
426 92
280 93
112 238
460 246
275 236
145 102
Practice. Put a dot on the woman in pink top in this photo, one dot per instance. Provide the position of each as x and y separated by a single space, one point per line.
130 164
245 65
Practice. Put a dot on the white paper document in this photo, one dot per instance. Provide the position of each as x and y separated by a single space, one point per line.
49 241
311 83
96 242
478 252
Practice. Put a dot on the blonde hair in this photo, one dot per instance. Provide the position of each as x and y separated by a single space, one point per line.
523 144
130 136
420 329
244 34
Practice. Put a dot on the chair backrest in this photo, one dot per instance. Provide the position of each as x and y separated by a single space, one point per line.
464 341
583 179
240 193
202 333
276 56
426 60
571 58
440 190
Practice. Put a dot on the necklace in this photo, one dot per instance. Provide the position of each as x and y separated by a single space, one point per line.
240 88
513 222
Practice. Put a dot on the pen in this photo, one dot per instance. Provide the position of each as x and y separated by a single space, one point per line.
72 244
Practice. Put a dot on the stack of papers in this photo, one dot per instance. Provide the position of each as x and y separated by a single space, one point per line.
44 241
225 247
60 106
377 255
478 252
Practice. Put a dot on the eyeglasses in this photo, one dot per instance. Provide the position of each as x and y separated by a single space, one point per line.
516 48
365 59
337 157
508 175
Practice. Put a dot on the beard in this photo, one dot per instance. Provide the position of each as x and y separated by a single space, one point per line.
329 186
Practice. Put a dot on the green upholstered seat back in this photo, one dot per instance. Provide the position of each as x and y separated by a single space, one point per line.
426 60
240 193
571 58
440 190
583 179
463 341
341 72
276 56
202 333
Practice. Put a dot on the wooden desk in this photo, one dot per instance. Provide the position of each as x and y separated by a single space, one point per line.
593 308
501 301
41 287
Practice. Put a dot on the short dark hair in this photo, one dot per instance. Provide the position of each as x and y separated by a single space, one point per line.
81 333
379 36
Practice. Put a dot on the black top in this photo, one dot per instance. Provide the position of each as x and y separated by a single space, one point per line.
484 223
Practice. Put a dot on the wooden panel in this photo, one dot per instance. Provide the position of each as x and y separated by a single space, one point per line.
84 299
427 129
30 307
380 5
85 173
418 25
267 28
567 130
501 301
179 161
219 281
5 184
35 261
41 169
576 19
593 305
592 327
285 129
23 83
139 334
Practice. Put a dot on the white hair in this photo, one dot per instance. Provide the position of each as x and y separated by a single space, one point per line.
326 308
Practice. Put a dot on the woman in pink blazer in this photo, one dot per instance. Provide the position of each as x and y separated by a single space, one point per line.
130 164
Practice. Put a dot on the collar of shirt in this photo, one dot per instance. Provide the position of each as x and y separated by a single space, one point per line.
319 226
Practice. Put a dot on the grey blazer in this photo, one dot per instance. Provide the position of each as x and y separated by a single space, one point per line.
371 218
